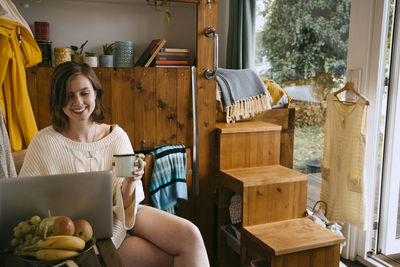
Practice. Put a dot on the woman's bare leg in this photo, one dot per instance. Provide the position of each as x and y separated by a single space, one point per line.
138 252
172 234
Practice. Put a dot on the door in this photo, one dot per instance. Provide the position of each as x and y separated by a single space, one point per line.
389 226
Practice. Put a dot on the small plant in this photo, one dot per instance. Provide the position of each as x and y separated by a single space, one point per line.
76 50
108 49
90 54
161 6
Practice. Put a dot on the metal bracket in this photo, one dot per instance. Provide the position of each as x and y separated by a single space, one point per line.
209 74
210 31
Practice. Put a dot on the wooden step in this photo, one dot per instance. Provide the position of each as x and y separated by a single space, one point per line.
247 144
297 242
270 193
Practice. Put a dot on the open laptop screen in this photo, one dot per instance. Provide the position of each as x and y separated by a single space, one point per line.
86 195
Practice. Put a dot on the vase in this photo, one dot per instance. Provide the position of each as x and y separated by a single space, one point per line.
106 61
91 61
124 54
62 54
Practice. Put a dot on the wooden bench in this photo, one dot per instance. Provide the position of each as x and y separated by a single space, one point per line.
296 242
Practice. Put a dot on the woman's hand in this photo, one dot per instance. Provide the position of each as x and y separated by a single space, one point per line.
138 174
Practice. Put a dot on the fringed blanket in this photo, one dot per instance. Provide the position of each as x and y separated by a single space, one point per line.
243 93
168 180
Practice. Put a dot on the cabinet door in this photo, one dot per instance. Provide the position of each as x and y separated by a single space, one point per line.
144 109
123 99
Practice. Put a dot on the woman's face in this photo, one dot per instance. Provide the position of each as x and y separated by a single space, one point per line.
81 99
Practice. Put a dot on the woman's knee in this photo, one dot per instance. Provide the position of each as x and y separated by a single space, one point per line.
191 232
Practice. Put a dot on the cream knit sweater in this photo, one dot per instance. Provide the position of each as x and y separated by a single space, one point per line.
51 153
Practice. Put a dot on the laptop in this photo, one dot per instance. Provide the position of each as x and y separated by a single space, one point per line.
86 195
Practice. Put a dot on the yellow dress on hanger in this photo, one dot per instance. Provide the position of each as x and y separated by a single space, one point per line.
15 56
343 161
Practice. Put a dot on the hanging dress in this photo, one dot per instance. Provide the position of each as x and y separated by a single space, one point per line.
15 56
343 161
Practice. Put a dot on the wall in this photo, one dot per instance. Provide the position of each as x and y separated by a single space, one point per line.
100 21
223 23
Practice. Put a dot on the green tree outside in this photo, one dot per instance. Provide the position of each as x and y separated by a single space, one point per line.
302 38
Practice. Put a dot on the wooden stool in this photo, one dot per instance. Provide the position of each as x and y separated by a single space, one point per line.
297 242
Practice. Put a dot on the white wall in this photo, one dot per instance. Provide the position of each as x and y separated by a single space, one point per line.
100 21
223 23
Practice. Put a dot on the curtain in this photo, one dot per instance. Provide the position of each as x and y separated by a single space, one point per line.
241 34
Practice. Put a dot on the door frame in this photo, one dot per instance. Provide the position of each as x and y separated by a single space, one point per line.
366 51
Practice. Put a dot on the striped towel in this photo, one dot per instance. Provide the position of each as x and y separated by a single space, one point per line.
168 180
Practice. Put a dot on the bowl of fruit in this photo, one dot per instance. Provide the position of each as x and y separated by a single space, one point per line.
48 241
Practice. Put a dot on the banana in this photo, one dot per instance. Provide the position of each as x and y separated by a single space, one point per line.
58 242
49 254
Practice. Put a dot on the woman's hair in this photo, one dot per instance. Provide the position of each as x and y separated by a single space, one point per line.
59 89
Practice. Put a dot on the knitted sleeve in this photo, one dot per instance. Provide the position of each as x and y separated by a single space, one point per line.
35 158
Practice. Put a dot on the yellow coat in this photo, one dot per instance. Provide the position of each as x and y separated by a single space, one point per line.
14 98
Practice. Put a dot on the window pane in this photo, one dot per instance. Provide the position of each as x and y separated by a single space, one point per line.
302 45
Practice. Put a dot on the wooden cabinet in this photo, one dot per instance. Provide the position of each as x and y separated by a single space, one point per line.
153 105
269 194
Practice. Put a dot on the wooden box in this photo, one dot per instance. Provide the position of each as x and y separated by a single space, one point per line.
247 144
298 242
270 193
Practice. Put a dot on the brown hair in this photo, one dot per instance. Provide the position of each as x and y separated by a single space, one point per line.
59 88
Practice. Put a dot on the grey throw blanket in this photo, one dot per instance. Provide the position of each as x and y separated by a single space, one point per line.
7 167
244 94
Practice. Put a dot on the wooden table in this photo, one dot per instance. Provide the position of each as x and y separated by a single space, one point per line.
107 256
297 242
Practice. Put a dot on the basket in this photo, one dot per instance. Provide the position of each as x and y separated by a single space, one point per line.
42 31
124 54
318 203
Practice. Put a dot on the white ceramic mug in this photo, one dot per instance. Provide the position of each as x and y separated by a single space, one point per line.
124 164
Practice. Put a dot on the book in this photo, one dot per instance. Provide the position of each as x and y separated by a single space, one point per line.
172 62
155 52
172 58
147 53
182 50
172 54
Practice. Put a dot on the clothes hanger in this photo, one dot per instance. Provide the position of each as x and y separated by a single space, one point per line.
349 86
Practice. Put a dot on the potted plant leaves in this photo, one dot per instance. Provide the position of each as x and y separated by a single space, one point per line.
77 52
91 59
106 60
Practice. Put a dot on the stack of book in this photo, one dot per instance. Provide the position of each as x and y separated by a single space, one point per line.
168 57
149 54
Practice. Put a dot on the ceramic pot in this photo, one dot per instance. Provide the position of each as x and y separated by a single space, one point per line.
106 61
91 61
77 58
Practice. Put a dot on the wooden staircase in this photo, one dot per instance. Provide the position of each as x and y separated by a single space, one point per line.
274 200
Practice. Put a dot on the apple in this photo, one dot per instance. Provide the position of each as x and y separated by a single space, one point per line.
57 225
83 229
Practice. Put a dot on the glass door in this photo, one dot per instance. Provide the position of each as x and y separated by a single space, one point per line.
389 216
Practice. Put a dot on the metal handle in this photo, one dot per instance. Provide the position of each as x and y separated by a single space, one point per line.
195 152
210 32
